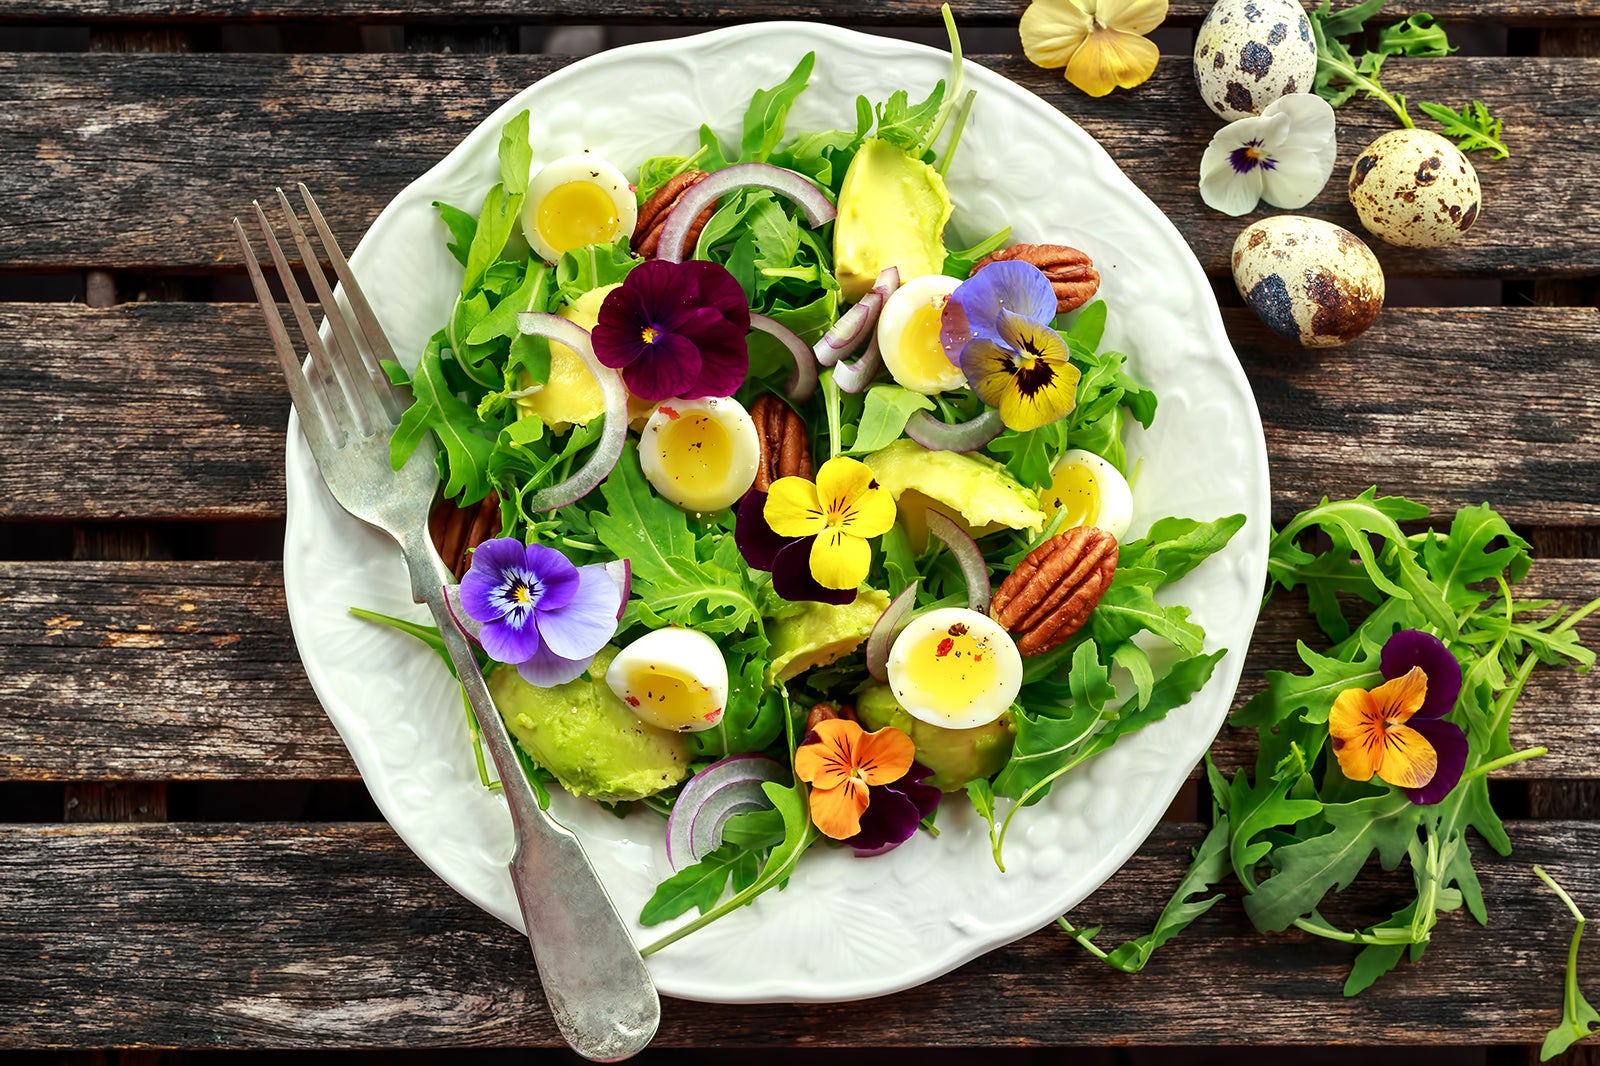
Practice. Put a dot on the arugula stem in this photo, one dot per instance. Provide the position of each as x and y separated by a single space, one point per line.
1327 932
1504 761
1558 890
1083 941
1022 801
955 133
957 75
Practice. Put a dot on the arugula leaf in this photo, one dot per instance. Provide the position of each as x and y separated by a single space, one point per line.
1210 865
769 110
904 124
462 226
1419 35
435 408
958 262
1340 76
1129 606
883 419
516 153
1311 695
495 222
1030 455
1579 1019
752 720
1175 546
981 793
698 886
754 830
1473 128
592 267
533 294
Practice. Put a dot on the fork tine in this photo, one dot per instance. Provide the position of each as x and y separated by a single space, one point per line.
346 354
326 388
312 417
377 347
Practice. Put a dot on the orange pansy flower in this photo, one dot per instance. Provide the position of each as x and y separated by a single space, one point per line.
1370 736
841 764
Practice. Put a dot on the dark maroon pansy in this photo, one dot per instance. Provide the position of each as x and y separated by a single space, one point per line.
675 330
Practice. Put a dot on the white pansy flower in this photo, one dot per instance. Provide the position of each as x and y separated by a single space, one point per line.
1283 156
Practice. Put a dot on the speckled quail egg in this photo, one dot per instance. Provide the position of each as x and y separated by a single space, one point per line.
955 668
908 335
1250 52
576 201
700 455
1308 280
1415 189
1091 491
672 679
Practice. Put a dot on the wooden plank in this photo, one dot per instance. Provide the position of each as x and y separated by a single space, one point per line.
895 12
177 411
188 670
335 936
98 141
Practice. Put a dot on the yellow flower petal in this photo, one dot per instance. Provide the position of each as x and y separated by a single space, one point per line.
839 481
1111 59
870 514
1409 760
1131 16
1401 698
839 561
1356 726
792 508
1052 30
1029 378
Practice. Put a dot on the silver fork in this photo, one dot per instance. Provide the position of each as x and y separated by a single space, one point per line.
599 990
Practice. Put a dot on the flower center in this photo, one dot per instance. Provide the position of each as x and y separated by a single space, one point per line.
649 334
1248 157
521 594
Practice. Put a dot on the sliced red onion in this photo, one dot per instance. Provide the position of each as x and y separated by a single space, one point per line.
712 796
846 336
968 554
966 436
621 571
812 201
609 450
889 624
856 376
803 382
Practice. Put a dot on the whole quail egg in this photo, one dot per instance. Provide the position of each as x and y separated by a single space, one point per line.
1250 52
1308 280
1415 189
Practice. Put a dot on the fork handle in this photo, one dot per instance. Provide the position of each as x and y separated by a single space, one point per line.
601 995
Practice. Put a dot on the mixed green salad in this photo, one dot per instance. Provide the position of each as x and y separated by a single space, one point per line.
810 507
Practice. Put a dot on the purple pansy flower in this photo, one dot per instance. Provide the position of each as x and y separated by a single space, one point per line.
540 613
895 812
973 310
675 330
787 558
1413 647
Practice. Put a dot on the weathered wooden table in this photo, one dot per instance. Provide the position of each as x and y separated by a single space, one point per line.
186 856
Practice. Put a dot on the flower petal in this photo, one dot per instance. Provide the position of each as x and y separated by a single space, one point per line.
840 482
884 756
1356 727
1052 30
719 290
840 561
973 309
828 756
890 820
724 360
1450 748
505 642
557 577
1110 59
1399 699
546 669
1413 647
1028 377
870 515
1222 187
669 367
1297 176
836 812
757 542
1131 16
618 330
793 509
589 619
791 576
1409 760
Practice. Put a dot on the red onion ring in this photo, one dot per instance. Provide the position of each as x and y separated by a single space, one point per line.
803 382
847 335
812 201
856 376
966 436
609 450
968 554
712 796
889 624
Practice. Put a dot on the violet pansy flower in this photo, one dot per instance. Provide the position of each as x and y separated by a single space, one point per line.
1283 156
540 613
973 310
675 330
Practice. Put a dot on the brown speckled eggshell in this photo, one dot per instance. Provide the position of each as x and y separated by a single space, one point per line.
1249 53
1415 189
1308 280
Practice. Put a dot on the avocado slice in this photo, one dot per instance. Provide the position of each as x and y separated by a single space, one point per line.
975 491
955 756
892 211
588 738
808 635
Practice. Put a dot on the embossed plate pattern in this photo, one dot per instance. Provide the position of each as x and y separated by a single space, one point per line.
932 904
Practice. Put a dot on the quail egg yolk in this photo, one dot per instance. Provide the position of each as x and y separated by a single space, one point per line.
921 353
696 451
1076 491
575 214
954 669
670 699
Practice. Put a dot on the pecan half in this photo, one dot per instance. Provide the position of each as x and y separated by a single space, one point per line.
785 449
823 712
457 530
653 215
1071 272
1048 598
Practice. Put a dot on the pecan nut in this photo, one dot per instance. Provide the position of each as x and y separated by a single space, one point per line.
1048 598
652 217
1071 272
823 712
456 531
785 448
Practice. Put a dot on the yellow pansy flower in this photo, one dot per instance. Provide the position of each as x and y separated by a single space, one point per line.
841 510
1101 42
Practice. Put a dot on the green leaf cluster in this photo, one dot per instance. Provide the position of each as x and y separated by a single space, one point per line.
1342 75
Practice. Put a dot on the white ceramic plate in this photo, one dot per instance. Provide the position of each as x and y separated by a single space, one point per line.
845 928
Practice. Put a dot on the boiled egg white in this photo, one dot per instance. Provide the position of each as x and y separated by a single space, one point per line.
576 201
908 335
955 668
1091 491
672 679
700 455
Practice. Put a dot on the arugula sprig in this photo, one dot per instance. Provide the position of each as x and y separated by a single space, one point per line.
1579 1019
1341 75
